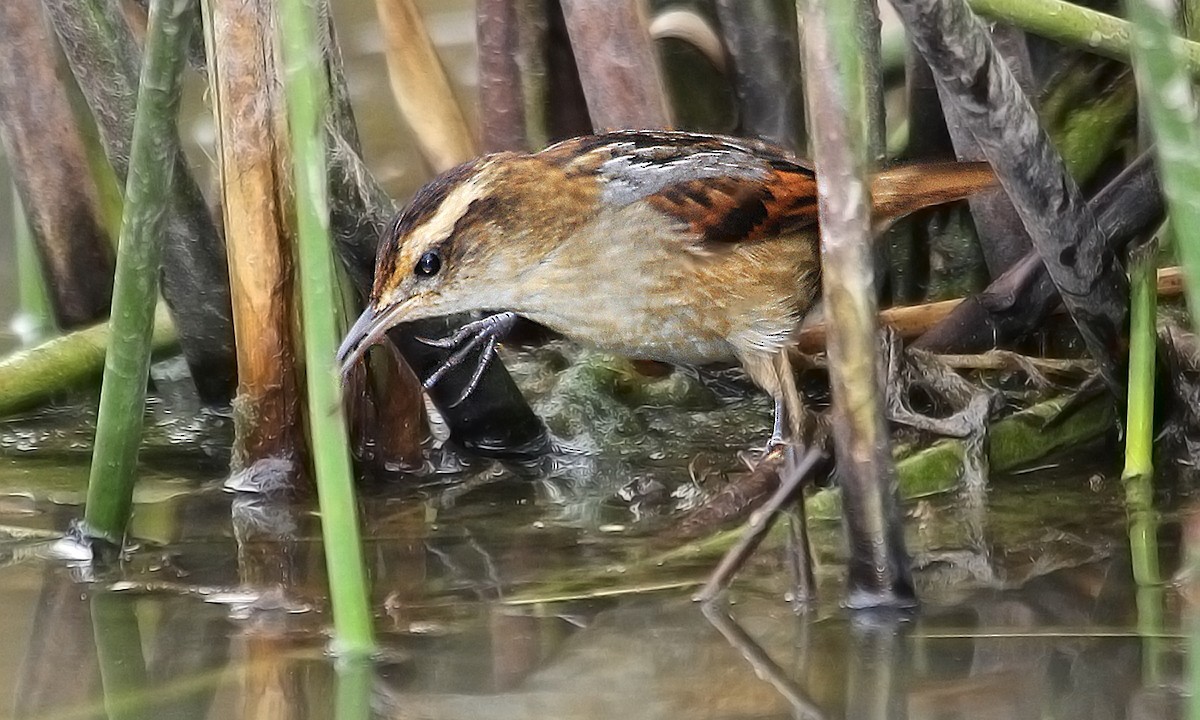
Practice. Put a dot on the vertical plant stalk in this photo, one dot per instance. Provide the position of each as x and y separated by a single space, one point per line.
1138 475
868 33
566 106
36 319
304 87
1143 338
985 96
248 115
390 413
48 158
104 58
1166 93
618 67
135 288
355 686
501 96
764 45
421 87
836 92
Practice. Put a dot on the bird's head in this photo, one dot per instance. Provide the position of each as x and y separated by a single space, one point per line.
466 242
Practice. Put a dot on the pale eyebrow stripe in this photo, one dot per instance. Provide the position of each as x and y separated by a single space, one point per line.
441 224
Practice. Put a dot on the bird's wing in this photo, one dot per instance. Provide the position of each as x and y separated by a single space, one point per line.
732 190
726 191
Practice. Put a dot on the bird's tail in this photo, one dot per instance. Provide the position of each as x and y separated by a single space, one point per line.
899 191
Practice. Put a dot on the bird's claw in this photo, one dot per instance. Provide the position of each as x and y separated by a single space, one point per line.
487 332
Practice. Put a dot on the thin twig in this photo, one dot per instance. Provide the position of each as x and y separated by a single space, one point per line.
760 523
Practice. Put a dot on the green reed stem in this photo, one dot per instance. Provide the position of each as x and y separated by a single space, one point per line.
135 287
1166 93
304 85
1143 338
1138 476
1075 26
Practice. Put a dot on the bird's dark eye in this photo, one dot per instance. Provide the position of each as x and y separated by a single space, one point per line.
429 264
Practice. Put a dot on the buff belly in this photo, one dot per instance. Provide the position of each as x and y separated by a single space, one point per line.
657 301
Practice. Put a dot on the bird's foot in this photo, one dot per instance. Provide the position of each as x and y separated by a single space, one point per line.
486 332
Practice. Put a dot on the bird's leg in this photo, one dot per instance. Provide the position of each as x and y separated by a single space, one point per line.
778 429
486 332
773 373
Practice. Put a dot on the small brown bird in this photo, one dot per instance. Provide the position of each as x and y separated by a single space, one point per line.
670 246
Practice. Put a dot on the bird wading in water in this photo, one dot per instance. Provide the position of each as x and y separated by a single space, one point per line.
670 246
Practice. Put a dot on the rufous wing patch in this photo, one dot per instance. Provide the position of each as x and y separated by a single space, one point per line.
728 210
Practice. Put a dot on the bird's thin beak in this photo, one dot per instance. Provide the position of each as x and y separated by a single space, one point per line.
368 330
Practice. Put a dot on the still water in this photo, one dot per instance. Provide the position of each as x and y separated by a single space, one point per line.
536 591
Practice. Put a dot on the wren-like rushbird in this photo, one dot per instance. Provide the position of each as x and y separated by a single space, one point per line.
670 246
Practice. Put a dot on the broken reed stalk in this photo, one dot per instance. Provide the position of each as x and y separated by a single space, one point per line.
304 84
913 320
30 378
974 78
254 180
421 88
135 288
618 67
47 157
878 567
1143 339
36 318
1077 26
1165 89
